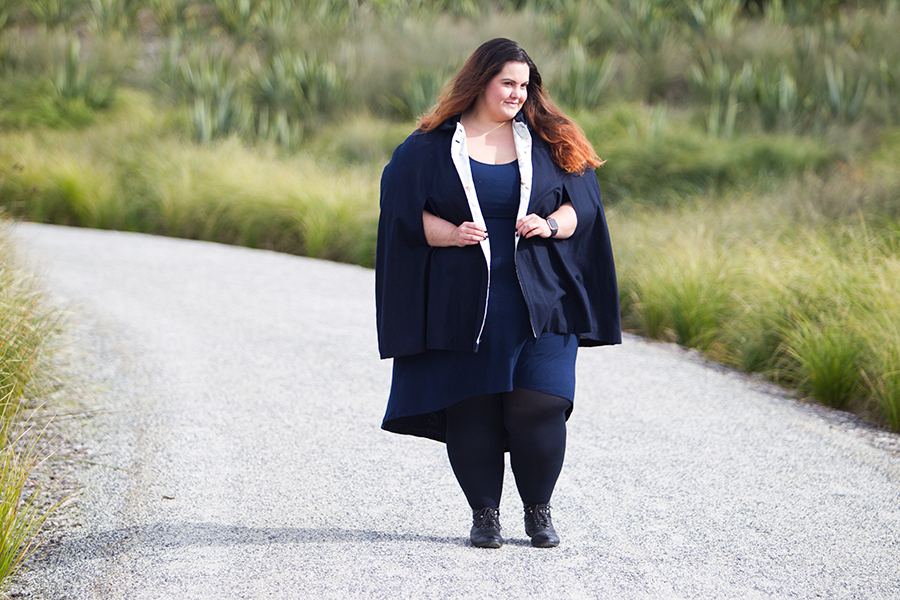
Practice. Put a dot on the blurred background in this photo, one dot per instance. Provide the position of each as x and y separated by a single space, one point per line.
752 181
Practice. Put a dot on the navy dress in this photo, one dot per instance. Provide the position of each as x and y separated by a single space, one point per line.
425 384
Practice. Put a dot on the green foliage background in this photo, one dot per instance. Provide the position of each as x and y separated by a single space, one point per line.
751 182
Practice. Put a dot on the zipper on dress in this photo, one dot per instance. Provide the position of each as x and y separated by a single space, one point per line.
527 303
487 299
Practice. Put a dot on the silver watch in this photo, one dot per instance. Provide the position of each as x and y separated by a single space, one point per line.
554 228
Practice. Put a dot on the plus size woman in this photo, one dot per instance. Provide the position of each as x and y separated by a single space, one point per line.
493 266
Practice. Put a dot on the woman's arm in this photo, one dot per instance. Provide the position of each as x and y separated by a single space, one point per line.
565 217
440 232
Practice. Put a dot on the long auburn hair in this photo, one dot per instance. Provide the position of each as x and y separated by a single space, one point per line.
569 147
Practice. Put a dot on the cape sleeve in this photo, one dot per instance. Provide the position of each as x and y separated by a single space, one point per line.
589 252
572 282
402 252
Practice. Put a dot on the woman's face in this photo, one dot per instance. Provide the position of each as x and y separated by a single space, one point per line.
504 96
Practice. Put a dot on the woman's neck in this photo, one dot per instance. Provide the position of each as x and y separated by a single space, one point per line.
488 141
478 126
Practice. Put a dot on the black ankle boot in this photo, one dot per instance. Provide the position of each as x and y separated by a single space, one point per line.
539 526
486 528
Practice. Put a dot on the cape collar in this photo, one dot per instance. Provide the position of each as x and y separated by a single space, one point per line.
452 121
460 155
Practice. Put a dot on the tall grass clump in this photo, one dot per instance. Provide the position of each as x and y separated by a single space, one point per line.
684 296
224 191
230 195
810 306
828 360
649 34
884 380
21 513
25 326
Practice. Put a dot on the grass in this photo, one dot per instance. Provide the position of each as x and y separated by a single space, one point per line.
321 201
658 156
754 285
25 326
171 186
22 515
828 361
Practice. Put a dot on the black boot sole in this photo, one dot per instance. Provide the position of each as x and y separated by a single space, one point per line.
487 543
542 542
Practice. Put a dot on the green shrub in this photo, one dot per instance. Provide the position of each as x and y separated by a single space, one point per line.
224 114
28 101
586 81
754 342
712 19
648 33
223 192
846 90
238 18
7 8
80 81
232 93
52 13
889 87
418 93
653 157
174 16
714 82
276 24
116 16
52 79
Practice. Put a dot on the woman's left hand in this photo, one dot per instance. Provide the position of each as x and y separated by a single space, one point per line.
532 225
566 221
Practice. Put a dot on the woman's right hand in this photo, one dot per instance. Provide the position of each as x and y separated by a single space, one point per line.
441 233
468 233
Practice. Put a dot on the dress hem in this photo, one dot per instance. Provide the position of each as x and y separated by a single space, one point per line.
433 425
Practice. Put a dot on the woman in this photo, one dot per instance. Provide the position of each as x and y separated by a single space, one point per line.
493 265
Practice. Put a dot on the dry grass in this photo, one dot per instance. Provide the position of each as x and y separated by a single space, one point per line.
25 325
811 306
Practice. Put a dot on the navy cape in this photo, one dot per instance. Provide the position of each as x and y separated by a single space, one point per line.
434 298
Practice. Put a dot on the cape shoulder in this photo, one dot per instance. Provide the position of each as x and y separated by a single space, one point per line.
416 152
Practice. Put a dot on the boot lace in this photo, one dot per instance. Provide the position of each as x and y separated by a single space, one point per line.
487 517
540 515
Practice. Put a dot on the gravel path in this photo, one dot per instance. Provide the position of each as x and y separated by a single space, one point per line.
239 455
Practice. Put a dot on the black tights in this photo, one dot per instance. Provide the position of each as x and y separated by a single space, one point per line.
533 424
